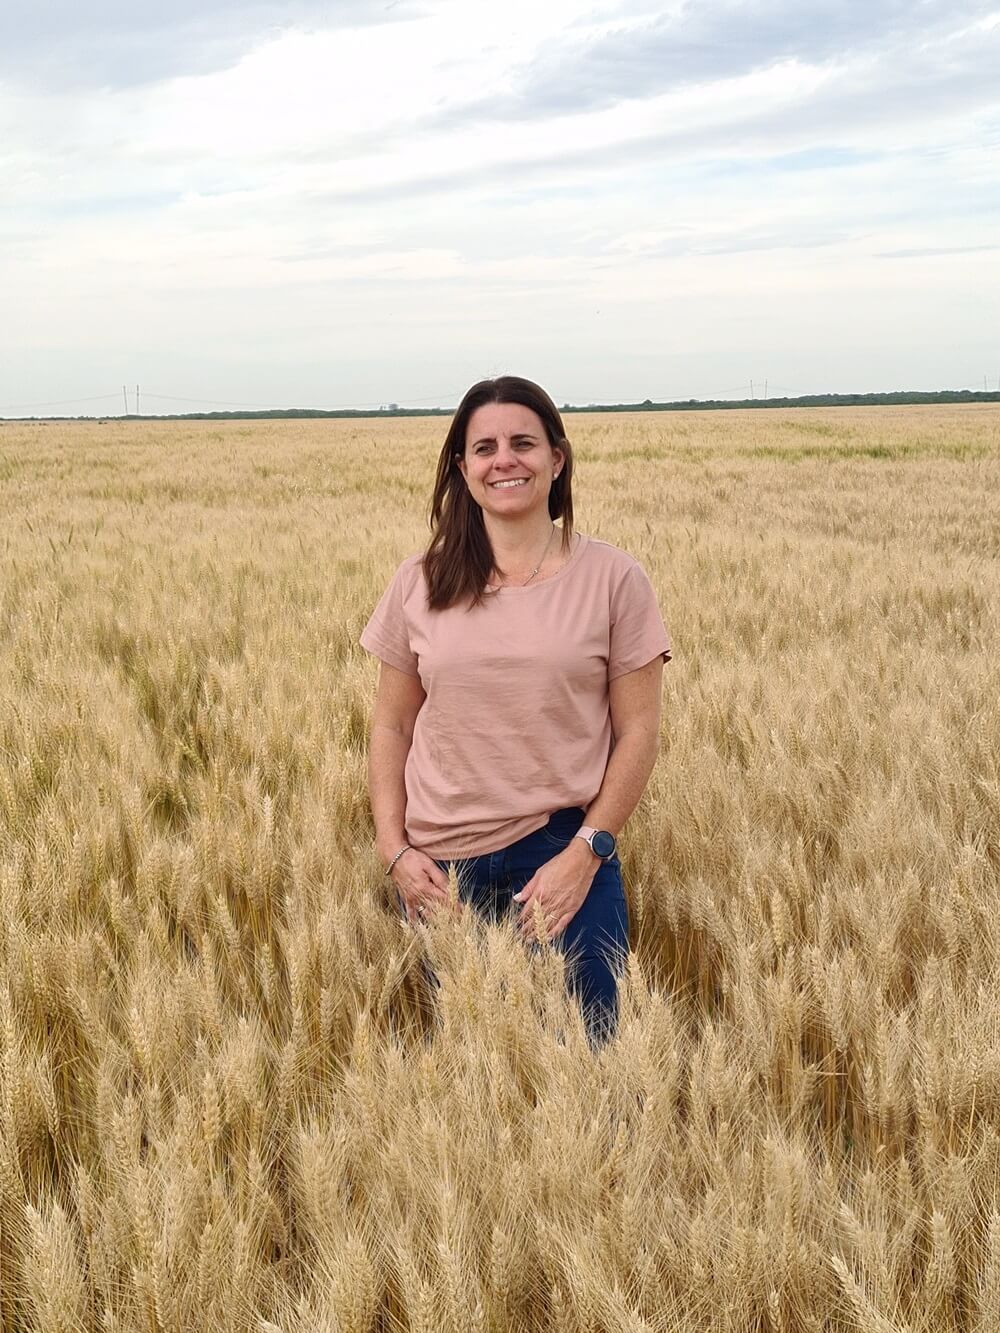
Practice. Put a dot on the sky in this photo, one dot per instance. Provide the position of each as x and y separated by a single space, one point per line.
269 203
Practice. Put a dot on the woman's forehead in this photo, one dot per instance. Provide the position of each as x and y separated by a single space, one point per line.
494 419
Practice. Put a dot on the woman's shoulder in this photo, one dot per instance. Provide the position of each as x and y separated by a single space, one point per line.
411 569
407 577
412 577
611 557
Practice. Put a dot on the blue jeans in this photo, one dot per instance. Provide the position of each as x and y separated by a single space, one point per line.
594 943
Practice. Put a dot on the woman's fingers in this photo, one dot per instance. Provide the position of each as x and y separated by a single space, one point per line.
437 886
416 875
430 872
524 894
532 922
559 927
424 888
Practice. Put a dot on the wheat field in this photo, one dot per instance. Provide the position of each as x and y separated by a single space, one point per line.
228 1100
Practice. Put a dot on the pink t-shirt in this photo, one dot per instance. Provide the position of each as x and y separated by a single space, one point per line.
516 723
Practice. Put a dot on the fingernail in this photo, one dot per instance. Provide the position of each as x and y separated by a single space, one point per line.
518 898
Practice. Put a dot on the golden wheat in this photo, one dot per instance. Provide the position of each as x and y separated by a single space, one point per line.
229 1098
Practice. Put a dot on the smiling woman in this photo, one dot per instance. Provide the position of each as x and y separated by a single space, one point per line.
504 476
517 716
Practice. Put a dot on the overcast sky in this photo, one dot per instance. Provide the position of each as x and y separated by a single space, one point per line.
267 203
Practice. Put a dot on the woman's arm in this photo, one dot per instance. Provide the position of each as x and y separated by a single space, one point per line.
562 884
418 878
398 700
635 722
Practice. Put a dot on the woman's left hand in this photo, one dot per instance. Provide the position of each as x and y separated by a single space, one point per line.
559 888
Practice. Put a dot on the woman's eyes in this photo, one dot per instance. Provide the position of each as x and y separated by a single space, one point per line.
483 449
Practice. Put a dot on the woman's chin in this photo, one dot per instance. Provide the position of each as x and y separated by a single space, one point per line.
519 506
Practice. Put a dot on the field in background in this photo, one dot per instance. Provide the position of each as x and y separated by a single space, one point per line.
226 1101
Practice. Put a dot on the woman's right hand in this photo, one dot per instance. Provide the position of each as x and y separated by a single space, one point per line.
420 882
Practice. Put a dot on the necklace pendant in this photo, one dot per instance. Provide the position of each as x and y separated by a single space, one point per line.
537 568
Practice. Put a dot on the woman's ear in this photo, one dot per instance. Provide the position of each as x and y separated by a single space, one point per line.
558 461
460 460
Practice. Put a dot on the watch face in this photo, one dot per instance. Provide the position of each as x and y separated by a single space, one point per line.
603 843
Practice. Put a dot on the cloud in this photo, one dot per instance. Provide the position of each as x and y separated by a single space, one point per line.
932 251
228 196
847 120
128 43
704 43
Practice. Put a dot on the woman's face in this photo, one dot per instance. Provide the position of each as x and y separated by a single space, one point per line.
509 465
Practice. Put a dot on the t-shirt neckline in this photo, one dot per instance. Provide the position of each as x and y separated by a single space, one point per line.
532 586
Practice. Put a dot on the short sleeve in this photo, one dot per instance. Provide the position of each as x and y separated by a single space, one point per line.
387 634
638 633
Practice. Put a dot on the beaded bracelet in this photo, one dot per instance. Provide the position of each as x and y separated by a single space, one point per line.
406 848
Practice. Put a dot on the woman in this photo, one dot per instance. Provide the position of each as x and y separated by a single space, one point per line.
517 716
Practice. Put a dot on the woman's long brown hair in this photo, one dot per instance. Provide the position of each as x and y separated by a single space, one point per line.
459 559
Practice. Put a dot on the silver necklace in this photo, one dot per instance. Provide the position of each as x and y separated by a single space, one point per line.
537 567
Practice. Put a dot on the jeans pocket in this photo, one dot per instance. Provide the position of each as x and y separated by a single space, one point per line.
561 829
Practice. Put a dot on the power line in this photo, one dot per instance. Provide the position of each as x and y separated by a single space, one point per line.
51 402
213 402
439 400
278 407
219 402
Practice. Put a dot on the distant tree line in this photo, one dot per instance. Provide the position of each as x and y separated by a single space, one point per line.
901 396
897 398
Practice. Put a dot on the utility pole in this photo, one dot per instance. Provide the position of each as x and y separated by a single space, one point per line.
765 395
137 400
751 391
125 396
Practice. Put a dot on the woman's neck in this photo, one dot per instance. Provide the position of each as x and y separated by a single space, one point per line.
519 541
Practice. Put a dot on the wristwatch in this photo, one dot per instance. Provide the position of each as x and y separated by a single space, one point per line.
600 841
